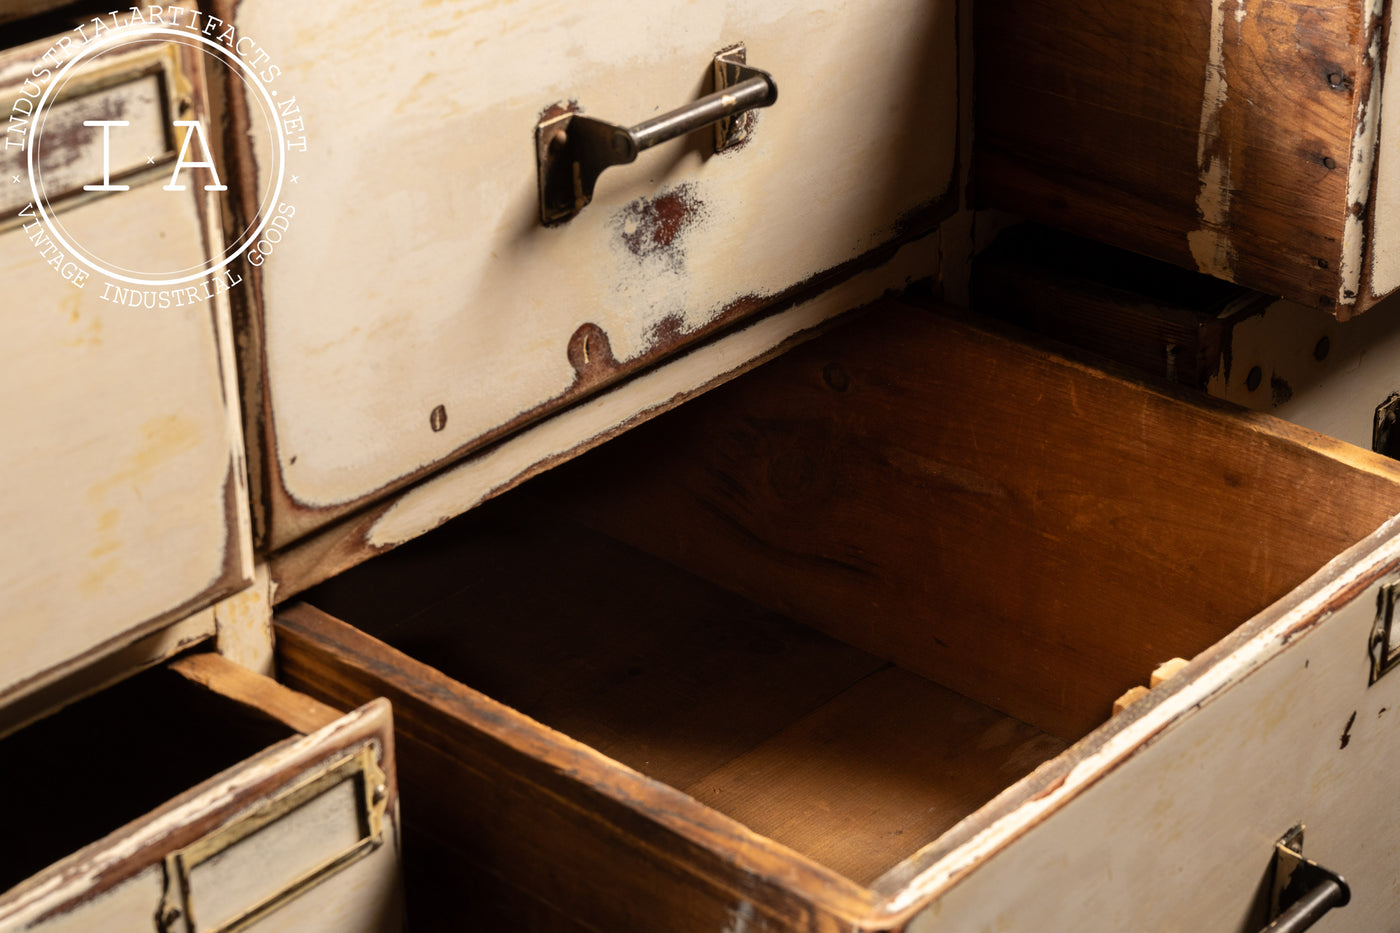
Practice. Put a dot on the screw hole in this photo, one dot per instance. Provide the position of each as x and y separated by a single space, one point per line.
1256 376
438 418
1323 347
1329 162
1335 79
834 375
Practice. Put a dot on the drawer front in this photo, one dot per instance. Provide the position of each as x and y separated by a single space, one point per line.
1178 832
418 309
302 837
124 496
1237 139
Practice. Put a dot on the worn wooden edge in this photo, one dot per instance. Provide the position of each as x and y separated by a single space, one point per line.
124 853
289 520
921 879
255 692
1037 347
354 540
1053 187
91 674
1379 34
129 652
607 797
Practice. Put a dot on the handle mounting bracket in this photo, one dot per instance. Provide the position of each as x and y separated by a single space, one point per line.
572 150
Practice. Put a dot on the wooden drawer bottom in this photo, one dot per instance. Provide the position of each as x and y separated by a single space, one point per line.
200 797
954 551
746 711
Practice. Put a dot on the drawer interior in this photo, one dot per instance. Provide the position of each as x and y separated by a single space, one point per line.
825 747
110 759
853 596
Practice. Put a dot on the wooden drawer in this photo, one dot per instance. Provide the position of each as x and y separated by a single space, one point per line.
418 311
1243 140
944 553
124 500
281 813
1336 378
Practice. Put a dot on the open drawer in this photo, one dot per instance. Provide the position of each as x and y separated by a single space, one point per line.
944 553
229 802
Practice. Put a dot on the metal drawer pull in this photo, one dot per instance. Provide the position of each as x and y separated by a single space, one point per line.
1303 891
572 150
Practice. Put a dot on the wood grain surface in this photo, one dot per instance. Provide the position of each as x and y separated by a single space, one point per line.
817 745
1232 138
506 795
1027 531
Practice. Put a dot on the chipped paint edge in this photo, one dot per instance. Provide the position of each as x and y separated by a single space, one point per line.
83 873
1209 243
1328 585
1364 157
466 485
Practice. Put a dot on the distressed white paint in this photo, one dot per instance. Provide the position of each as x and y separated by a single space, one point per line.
741 918
124 502
244 623
1210 243
83 676
127 908
362 898
67 169
455 490
1173 816
1363 163
1385 228
416 273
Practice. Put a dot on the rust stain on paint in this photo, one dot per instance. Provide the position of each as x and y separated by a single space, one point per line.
558 110
917 222
656 226
590 353
666 333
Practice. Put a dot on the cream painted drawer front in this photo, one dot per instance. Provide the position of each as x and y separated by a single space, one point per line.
417 309
302 836
123 496
1170 824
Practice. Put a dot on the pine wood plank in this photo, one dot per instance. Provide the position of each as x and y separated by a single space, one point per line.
1030 532
613 647
1229 138
254 692
880 771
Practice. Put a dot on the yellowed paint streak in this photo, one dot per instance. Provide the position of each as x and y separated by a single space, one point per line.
163 439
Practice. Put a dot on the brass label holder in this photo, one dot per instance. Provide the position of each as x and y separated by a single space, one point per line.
178 911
